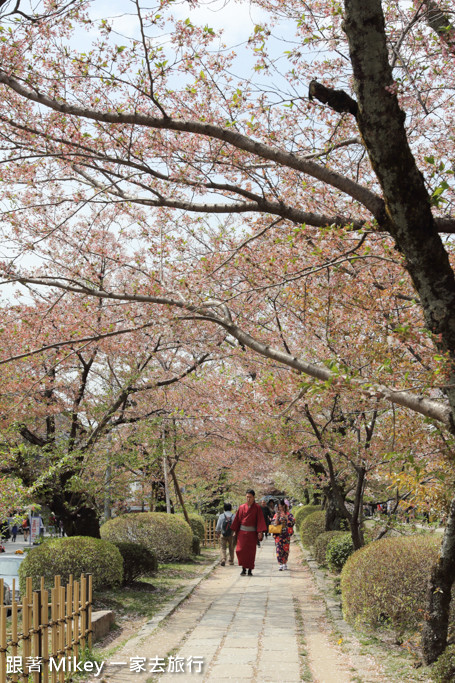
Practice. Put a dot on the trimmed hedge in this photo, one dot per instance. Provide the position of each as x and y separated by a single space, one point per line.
321 543
311 527
169 536
304 511
385 582
338 550
137 561
443 671
73 555
197 524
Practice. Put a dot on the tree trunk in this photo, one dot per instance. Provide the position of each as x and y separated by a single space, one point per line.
333 517
410 221
434 634
83 522
356 533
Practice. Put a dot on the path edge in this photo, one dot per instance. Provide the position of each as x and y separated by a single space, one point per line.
152 625
326 586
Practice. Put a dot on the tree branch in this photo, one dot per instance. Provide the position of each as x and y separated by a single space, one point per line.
218 314
338 100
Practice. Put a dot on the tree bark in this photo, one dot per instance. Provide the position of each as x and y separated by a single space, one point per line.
434 634
333 517
408 207
84 521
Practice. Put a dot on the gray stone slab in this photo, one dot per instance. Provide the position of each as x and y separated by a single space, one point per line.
288 644
233 671
268 657
206 633
282 671
279 632
200 648
238 655
236 640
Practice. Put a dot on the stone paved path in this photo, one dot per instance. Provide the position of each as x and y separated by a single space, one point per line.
249 633
245 629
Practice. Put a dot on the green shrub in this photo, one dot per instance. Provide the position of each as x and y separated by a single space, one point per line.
169 536
74 555
312 526
385 582
320 545
197 524
137 561
196 545
338 550
443 670
302 512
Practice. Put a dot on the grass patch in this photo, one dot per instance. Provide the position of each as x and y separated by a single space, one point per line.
146 597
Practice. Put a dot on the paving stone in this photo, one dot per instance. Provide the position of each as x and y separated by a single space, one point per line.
235 640
239 656
234 671
282 672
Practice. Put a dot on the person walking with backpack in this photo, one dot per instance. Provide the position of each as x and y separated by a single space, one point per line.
225 534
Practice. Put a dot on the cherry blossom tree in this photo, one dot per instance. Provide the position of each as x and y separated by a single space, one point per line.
233 197
61 405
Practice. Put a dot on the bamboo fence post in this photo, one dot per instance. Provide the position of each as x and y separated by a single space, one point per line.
45 634
69 617
54 630
210 539
83 601
89 610
25 633
36 632
14 637
3 611
61 621
76 619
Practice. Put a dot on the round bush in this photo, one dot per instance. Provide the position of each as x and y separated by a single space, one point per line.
311 527
304 511
385 582
197 524
320 545
338 550
169 536
74 555
137 561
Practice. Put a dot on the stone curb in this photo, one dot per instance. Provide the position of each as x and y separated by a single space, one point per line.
170 607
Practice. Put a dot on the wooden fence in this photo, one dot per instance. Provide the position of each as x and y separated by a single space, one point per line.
210 539
43 636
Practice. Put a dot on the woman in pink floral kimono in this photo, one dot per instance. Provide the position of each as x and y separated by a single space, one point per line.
282 541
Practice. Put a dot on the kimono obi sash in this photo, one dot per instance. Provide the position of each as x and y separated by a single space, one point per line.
247 528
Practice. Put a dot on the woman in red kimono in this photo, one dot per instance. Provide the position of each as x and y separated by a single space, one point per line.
282 541
249 525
